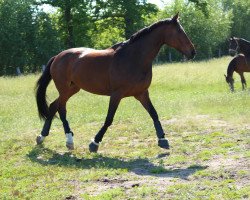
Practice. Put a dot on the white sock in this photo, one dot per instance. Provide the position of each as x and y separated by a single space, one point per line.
42 138
69 138
97 144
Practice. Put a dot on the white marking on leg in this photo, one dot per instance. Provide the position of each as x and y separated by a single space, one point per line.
162 139
69 138
41 138
97 144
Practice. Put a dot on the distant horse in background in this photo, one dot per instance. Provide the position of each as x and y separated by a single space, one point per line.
240 63
122 70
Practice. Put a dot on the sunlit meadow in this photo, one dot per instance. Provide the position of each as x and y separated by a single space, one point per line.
207 127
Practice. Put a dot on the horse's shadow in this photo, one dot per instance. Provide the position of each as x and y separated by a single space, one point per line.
140 166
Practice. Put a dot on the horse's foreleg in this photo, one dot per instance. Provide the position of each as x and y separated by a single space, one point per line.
147 104
113 105
243 81
46 127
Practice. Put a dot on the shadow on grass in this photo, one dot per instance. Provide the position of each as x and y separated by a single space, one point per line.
140 166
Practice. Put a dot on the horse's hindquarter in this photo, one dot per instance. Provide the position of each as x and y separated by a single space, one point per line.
248 63
243 63
91 71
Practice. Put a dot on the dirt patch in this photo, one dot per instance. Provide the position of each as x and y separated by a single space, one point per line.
228 163
237 169
202 124
143 178
128 184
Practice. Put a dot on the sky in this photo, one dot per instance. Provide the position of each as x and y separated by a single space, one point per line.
159 3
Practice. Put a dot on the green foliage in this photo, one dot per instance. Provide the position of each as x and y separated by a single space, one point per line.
16 35
48 41
29 37
107 33
26 40
131 11
241 15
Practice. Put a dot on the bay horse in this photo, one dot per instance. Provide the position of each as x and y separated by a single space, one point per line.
240 63
120 71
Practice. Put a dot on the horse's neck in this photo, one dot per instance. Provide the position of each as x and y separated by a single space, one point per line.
244 47
231 68
147 47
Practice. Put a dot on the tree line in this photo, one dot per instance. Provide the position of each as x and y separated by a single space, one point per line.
29 36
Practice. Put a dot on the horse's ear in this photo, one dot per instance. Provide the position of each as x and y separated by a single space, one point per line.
175 18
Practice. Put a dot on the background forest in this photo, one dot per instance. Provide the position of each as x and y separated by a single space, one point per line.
29 36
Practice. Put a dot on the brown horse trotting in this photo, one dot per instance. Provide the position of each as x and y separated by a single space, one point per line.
120 71
240 63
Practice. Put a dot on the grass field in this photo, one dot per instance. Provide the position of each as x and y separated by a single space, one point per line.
207 127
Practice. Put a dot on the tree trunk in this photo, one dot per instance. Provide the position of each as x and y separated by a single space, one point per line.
69 25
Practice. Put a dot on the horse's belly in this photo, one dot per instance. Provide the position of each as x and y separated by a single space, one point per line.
95 88
132 86
94 81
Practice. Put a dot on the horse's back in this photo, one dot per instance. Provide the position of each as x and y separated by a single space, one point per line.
92 71
86 68
64 59
242 63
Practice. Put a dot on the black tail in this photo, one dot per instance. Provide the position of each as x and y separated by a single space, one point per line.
41 86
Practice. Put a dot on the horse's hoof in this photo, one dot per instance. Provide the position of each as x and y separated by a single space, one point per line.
93 147
163 143
39 140
70 146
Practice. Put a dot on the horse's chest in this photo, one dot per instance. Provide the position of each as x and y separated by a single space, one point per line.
138 84
144 80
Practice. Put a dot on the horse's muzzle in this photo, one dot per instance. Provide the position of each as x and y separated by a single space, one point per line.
191 54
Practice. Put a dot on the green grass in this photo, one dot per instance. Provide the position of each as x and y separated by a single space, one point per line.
207 127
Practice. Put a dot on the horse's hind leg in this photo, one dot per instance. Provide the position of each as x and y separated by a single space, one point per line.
47 124
243 81
62 100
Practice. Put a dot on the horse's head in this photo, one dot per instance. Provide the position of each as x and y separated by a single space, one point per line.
233 46
176 37
230 81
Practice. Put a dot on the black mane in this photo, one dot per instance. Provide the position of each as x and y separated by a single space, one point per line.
141 33
244 46
243 40
145 31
